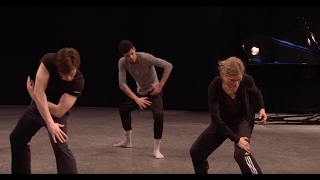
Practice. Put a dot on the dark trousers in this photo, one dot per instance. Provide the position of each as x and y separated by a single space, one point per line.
210 139
28 125
156 107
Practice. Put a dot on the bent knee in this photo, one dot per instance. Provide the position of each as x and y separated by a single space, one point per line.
158 115
13 137
193 152
239 154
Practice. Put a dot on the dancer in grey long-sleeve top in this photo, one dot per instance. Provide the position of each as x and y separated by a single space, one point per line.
233 99
141 66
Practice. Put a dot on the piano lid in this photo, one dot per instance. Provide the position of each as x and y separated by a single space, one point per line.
297 47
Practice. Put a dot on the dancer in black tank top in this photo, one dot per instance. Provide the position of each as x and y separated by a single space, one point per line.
57 86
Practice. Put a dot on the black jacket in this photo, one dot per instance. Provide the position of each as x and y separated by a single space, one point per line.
250 96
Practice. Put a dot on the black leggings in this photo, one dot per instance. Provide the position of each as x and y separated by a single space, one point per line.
156 107
210 139
28 125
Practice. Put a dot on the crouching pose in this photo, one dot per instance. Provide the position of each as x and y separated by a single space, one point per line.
148 94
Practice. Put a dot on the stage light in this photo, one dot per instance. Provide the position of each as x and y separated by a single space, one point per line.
254 50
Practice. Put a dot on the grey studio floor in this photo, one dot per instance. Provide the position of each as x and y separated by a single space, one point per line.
279 147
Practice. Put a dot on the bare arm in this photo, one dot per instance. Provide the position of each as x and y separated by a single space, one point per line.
55 109
41 82
66 102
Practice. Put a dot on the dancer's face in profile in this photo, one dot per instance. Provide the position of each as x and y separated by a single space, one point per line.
131 56
233 82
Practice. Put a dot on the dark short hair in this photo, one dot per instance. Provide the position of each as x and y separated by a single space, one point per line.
67 59
125 46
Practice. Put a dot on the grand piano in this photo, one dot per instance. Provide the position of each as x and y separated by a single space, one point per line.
287 70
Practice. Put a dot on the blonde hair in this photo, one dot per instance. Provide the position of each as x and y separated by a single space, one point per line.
231 66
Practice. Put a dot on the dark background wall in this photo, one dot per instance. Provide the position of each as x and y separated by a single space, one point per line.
192 38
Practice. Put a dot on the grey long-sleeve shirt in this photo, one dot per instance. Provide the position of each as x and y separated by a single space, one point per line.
143 72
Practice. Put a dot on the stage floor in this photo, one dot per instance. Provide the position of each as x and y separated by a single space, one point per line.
279 147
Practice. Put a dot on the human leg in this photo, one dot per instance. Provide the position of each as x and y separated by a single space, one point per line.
125 110
65 160
28 125
158 116
246 161
208 141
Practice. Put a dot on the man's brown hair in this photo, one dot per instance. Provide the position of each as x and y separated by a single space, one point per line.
67 59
